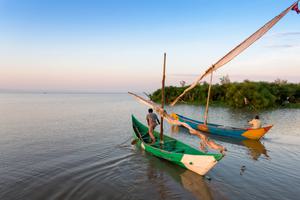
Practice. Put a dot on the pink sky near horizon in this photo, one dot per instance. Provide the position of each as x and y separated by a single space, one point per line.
105 74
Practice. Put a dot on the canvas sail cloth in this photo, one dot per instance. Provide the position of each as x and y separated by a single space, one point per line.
239 49
205 141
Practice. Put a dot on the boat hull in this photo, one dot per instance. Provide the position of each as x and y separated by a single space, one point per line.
226 131
175 151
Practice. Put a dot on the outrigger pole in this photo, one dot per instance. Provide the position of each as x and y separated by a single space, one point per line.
163 100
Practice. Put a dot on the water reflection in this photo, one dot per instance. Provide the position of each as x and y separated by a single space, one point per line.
254 148
192 182
195 185
174 129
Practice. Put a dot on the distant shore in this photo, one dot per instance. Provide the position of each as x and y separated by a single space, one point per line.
247 94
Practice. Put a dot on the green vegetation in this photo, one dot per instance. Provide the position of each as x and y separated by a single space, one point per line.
254 95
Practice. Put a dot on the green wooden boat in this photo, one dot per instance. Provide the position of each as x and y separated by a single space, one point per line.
174 150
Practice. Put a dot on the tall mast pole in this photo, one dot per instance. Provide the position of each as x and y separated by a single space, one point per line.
207 100
163 101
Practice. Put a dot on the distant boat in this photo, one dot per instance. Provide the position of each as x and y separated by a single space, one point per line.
174 150
225 131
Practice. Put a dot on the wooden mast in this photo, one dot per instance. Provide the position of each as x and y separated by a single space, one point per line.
207 100
163 101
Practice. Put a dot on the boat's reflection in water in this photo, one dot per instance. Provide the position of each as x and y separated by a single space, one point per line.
254 148
192 182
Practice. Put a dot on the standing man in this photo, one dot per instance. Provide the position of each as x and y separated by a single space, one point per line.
152 121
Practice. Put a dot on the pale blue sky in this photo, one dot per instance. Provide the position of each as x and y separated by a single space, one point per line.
118 45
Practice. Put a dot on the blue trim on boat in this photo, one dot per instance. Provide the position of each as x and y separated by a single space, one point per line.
216 129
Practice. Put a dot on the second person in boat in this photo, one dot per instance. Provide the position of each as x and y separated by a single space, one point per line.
255 123
152 121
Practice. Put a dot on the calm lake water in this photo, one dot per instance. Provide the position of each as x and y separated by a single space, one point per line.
77 146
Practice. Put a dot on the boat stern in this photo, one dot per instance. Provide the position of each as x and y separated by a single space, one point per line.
256 134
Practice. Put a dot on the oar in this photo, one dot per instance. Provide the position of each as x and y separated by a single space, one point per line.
133 142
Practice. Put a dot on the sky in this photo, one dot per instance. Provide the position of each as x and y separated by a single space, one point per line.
118 45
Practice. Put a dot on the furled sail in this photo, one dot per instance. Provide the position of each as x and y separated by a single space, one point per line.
238 49
205 141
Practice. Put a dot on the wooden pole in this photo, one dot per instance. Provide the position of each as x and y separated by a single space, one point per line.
207 100
163 100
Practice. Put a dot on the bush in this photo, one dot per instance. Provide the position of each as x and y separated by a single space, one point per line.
259 95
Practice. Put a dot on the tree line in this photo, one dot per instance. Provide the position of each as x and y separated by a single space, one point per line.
254 95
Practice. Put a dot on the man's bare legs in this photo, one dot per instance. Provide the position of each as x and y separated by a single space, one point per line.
151 128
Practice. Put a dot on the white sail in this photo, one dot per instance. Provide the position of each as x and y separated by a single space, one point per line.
238 49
